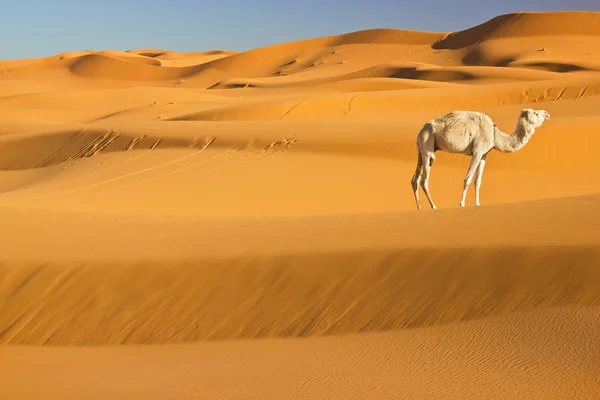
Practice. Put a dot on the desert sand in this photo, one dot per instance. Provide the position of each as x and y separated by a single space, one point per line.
240 225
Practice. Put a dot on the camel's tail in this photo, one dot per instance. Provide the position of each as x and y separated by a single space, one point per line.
426 139
419 169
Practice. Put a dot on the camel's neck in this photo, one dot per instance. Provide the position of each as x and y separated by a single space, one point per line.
511 143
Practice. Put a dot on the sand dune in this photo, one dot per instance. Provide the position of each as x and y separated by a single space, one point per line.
514 355
327 280
241 224
525 24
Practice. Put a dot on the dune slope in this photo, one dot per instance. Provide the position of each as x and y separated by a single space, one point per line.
518 356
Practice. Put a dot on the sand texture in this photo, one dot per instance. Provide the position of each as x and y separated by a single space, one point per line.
241 225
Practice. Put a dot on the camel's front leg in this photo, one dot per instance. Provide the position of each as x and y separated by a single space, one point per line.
468 179
478 176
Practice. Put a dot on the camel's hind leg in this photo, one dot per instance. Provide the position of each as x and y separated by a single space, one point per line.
475 160
416 180
426 146
478 176
428 159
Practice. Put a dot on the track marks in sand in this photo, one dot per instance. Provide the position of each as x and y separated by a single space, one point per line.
271 150
560 95
155 145
348 109
68 146
117 178
130 147
134 142
557 93
285 114
581 93
231 159
200 162
96 146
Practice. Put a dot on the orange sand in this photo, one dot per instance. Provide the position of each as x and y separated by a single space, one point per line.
241 225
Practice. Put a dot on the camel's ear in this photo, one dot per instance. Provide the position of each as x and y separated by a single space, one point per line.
527 112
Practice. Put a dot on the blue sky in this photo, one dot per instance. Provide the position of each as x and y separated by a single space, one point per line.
43 27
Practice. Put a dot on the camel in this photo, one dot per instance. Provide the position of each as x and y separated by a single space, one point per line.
471 133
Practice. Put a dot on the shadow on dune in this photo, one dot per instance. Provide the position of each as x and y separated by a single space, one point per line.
436 74
290 295
474 35
553 66
477 57
440 75
41 151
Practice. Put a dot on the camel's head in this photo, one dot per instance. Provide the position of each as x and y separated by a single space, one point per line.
535 117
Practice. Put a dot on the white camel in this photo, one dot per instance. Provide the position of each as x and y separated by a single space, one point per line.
473 134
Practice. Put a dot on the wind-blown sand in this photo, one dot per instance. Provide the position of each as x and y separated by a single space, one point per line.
241 225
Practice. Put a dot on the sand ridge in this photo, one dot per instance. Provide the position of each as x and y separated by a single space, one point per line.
241 224
518 355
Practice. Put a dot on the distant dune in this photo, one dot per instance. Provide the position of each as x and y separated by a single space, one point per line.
241 224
